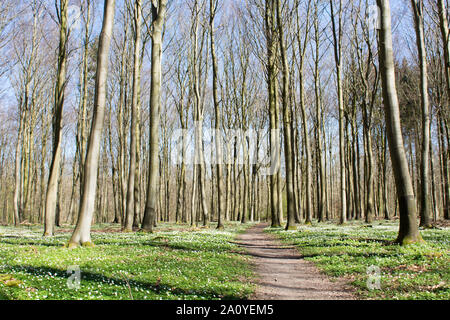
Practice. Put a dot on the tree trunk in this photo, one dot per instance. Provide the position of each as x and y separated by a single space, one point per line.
425 206
408 231
218 120
52 188
287 115
158 15
337 37
446 155
81 234
130 209
274 133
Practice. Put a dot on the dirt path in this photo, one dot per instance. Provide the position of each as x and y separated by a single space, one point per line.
284 274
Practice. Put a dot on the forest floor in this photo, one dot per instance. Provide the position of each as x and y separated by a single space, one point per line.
282 272
175 262
318 261
364 256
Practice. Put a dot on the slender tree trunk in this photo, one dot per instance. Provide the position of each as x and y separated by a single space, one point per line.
82 234
408 232
52 188
16 200
130 209
445 167
274 134
385 184
158 14
218 120
425 206
287 118
446 155
337 38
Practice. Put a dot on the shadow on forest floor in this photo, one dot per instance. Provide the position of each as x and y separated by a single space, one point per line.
155 287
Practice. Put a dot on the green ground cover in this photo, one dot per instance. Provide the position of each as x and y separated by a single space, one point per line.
356 251
176 262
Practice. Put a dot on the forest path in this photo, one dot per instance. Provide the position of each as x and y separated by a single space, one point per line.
283 273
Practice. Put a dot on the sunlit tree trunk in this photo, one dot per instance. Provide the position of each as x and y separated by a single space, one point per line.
446 155
158 15
425 206
52 188
82 232
287 118
408 232
337 41
131 192
317 96
218 119
274 135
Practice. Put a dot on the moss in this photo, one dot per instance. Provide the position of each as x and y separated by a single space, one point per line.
4 277
13 283
411 240
145 231
88 244
72 245
291 228
9 281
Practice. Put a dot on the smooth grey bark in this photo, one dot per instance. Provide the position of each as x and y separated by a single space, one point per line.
408 231
16 201
425 205
158 16
337 41
82 232
287 115
130 208
273 108
445 166
385 184
83 111
122 117
218 117
52 188
318 102
442 9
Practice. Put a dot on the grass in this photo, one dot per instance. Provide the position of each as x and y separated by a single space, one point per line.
176 262
418 271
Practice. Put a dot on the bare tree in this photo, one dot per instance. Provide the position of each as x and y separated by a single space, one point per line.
408 232
337 41
158 15
130 210
52 188
425 206
287 118
82 232
217 115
